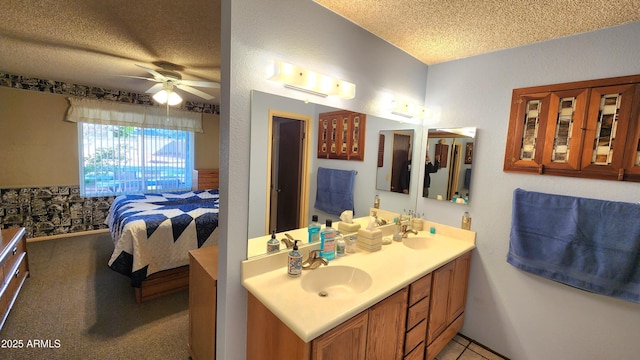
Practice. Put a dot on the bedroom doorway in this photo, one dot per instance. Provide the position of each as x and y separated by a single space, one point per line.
288 180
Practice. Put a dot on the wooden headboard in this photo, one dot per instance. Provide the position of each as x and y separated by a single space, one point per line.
205 179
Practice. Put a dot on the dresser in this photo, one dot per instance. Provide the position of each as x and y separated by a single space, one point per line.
14 268
203 280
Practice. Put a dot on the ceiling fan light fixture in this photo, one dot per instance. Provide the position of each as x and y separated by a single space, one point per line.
170 97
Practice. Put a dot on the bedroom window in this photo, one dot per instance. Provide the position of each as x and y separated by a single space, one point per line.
128 148
124 159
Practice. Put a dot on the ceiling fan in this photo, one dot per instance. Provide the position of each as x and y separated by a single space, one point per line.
167 79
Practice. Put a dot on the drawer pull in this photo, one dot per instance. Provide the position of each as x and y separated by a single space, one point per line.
15 250
17 273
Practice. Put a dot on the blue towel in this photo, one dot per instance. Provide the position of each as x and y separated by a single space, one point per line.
593 245
335 190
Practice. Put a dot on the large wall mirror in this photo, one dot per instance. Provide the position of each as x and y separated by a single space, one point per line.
395 148
448 163
277 117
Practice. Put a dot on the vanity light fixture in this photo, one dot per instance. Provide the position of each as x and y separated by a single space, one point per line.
311 82
407 109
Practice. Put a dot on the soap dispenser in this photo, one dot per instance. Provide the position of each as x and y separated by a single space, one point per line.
295 261
273 245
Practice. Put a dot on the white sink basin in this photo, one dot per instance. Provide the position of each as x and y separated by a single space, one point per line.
418 243
336 281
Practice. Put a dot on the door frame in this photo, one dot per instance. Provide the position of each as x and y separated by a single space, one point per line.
304 168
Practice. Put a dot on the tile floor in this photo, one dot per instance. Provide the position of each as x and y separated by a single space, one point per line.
462 348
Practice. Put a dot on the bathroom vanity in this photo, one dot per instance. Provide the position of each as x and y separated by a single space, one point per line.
405 301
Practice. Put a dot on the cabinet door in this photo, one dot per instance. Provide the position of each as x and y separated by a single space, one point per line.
438 310
357 134
563 138
607 126
527 127
387 321
458 296
347 341
323 136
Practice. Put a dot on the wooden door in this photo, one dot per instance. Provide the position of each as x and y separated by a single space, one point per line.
387 321
287 151
346 342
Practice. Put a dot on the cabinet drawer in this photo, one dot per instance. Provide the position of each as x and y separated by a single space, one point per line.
416 354
15 280
419 289
418 312
14 255
415 336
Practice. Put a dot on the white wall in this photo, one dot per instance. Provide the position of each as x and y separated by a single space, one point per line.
517 314
254 33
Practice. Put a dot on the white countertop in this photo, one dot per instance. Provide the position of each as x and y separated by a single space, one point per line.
392 268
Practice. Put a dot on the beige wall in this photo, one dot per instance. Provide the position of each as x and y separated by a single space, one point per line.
39 148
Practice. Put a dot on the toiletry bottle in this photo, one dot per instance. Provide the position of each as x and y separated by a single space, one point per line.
455 197
466 221
466 198
376 202
273 245
327 241
314 229
396 231
295 261
341 245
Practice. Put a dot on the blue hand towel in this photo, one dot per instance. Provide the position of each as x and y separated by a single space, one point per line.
589 244
335 190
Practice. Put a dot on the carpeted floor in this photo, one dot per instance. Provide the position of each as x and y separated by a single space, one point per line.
74 307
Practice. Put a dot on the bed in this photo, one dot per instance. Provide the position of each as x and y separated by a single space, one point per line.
153 234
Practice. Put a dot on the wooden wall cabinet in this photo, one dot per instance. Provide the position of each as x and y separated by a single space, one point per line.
585 129
341 135
203 277
14 268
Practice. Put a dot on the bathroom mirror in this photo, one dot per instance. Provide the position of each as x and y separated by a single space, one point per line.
448 163
268 112
394 160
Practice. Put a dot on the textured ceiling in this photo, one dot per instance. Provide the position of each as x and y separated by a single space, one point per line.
91 42
435 31
94 42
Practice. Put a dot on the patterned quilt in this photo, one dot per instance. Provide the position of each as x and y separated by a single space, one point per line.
154 232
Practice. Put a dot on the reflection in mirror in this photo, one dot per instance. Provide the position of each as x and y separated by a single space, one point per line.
268 113
448 163
394 160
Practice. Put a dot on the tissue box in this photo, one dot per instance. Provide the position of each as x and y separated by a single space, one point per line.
346 228
370 240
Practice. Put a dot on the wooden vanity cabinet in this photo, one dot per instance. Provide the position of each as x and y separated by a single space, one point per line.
448 300
376 333
414 323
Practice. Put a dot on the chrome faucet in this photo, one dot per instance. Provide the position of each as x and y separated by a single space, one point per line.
314 261
406 230
288 241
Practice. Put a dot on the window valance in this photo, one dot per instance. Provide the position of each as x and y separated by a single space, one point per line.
123 114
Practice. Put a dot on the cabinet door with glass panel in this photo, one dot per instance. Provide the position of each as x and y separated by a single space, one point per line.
583 129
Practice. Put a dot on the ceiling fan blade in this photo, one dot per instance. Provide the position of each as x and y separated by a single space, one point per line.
139 77
208 84
155 88
155 74
194 91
